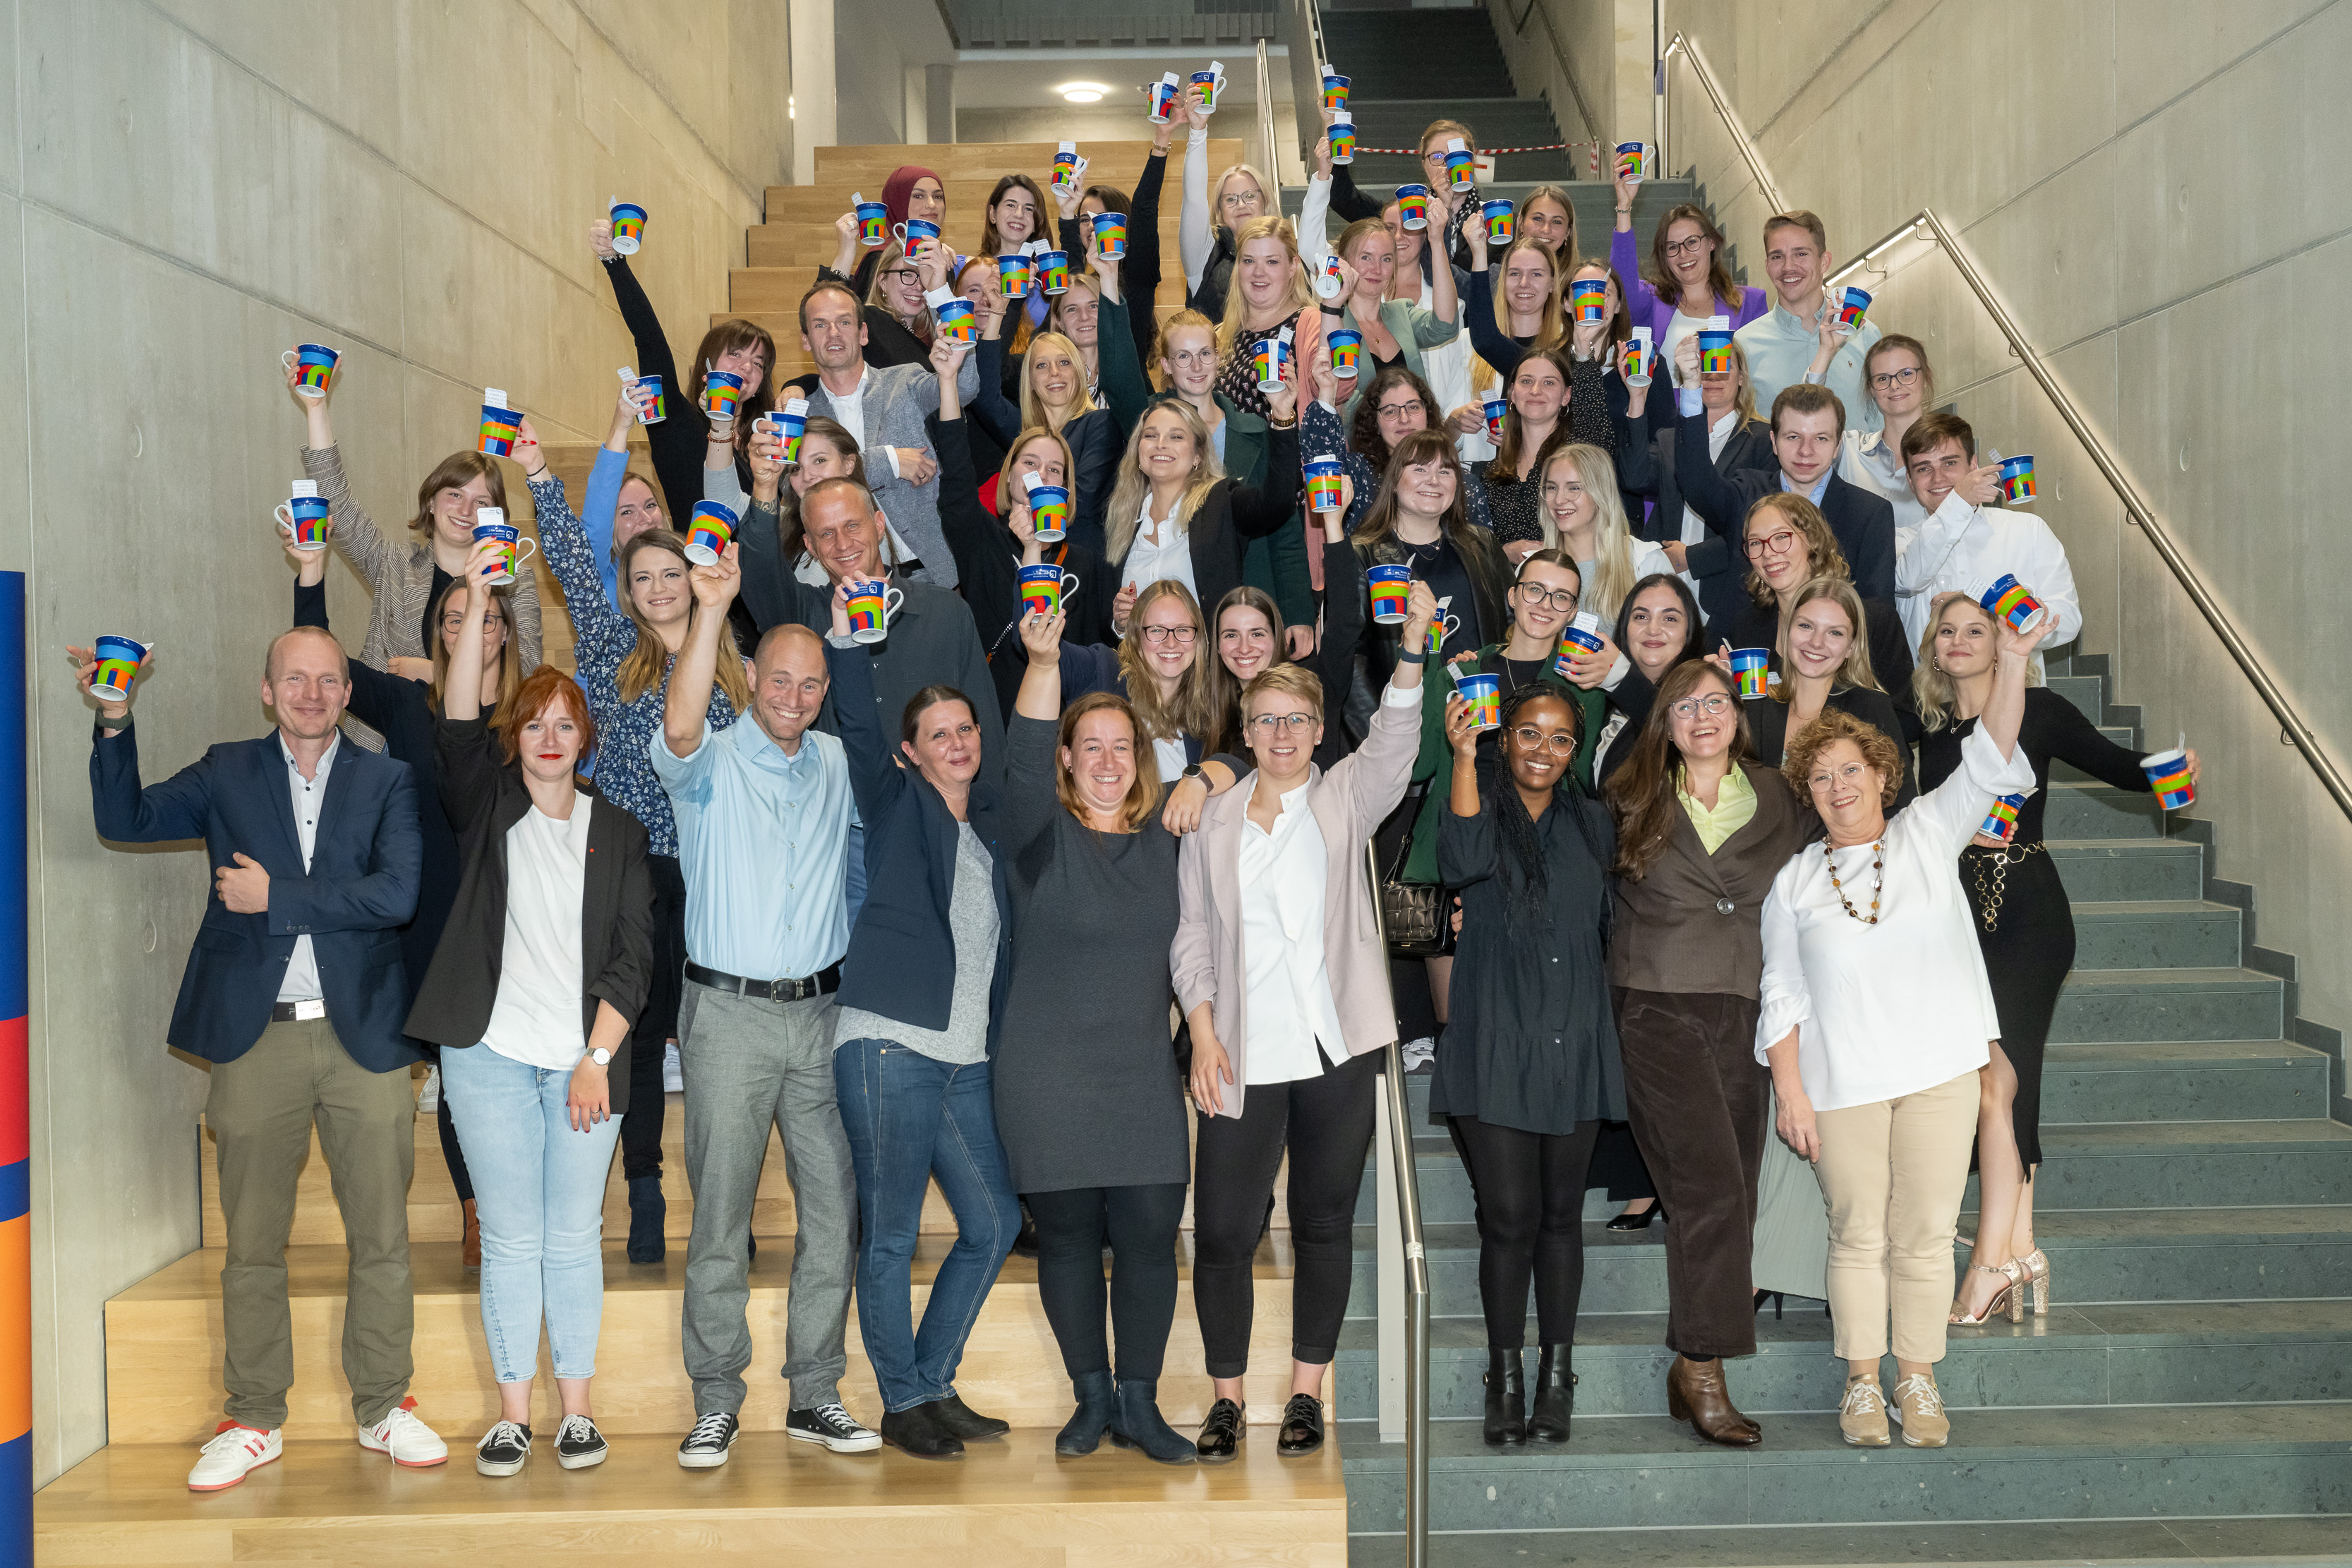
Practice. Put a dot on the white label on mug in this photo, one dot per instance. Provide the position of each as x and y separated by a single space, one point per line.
494 398
489 516
305 489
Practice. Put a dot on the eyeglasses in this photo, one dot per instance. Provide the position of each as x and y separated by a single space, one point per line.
1713 707
1686 246
1402 410
1778 543
1550 598
1193 359
1887 380
1239 199
1559 744
901 275
1266 726
1181 635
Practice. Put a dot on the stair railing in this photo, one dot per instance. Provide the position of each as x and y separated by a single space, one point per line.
1306 56
1266 122
1559 57
1403 1273
1928 229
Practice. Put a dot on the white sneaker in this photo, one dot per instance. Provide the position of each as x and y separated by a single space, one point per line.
233 1451
673 1071
428 1098
408 1440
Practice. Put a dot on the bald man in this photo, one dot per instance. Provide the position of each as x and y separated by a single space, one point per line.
295 993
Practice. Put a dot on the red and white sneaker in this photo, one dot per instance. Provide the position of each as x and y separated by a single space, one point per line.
233 1451
408 1440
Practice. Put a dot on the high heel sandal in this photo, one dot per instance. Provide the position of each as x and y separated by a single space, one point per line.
2010 1295
2037 1277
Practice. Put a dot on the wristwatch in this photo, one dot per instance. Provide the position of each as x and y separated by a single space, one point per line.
600 1056
1192 770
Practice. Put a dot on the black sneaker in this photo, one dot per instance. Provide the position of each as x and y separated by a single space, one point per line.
578 1444
504 1449
833 1426
706 1446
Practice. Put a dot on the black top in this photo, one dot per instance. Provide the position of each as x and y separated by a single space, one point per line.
484 800
1861 521
2052 728
1138 273
1750 625
888 341
1511 502
1237 376
428 634
677 442
1768 720
1645 471
1230 515
1529 1041
1485 577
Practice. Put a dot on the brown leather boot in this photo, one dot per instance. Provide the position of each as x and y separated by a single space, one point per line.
1695 1393
472 1255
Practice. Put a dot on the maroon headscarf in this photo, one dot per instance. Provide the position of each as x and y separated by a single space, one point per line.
900 185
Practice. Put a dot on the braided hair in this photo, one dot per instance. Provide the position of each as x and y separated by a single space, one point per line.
1520 866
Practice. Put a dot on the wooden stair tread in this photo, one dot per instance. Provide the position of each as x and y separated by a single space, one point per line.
868 167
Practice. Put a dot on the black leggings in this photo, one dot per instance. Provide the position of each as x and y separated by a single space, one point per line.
1326 1123
1530 1193
1139 1224
641 1124
451 1154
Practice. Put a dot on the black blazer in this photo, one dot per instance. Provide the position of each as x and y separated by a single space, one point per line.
1230 515
1753 626
1862 522
1768 720
484 799
1645 468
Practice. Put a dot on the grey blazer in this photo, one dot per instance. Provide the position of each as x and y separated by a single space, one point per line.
896 400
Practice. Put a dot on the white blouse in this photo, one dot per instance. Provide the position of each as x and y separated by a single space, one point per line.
1288 979
1887 1010
1160 551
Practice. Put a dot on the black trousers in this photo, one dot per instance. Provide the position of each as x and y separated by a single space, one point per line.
451 1154
641 1124
1530 1192
1140 1226
1325 1124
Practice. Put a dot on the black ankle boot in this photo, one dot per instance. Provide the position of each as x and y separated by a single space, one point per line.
647 1213
1137 1423
1084 1432
1506 1398
1555 1396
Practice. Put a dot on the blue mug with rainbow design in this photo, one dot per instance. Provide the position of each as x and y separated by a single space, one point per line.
2000 822
118 660
2008 600
313 365
1391 591
709 531
628 226
1750 670
1042 588
2168 777
1049 509
500 424
2017 485
1485 695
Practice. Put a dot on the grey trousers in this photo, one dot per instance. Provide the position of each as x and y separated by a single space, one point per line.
749 1062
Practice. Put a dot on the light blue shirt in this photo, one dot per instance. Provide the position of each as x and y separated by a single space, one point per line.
1821 486
1781 348
763 843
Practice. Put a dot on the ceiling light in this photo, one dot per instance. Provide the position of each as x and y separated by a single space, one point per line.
1082 91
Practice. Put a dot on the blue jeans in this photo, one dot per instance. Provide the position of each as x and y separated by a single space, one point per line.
539 1192
909 1117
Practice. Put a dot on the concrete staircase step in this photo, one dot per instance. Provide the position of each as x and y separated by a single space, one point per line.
2171 1080
2158 933
2076 809
2186 1004
2098 870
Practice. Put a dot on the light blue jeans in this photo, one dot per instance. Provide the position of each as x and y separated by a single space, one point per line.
539 1192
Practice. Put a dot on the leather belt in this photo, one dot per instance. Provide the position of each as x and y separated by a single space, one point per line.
817 985
296 1012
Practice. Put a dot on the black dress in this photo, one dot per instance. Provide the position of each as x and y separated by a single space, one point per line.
1768 720
2025 923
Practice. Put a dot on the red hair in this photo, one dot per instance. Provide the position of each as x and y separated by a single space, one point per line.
540 690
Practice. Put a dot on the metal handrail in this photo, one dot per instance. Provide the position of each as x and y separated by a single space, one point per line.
1575 89
1307 57
1928 227
1266 118
1417 1276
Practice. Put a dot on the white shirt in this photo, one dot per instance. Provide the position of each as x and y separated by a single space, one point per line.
536 1018
1171 556
1867 461
301 982
1169 755
1287 981
1887 1010
1719 436
1963 549
1678 329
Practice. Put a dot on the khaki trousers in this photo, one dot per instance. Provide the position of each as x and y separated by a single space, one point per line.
259 1109
1895 1172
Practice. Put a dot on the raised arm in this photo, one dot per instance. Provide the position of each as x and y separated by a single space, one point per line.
601 504
766 582
988 408
1125 390
678 441
1491 343
686 706
375 696
355 533
874 778
601 635
1195 237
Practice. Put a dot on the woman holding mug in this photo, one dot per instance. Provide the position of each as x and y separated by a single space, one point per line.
1015 216
1824 665
542 969
1214 214
1269 292
1788 545
1689 277
1538 397
1054 397
1394 331
1396 405
910 191
1583 517
1281 1064
1172 515
1421 520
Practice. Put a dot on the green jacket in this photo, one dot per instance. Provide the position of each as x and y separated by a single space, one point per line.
1435 764
1415 329
1277 564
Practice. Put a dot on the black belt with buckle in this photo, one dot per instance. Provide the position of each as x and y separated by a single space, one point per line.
817 985
296 1012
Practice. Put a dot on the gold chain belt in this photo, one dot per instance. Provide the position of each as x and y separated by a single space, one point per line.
1998 862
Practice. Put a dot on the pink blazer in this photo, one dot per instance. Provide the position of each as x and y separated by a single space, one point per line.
1349 803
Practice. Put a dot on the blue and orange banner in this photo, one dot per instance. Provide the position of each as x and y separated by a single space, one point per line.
15 1147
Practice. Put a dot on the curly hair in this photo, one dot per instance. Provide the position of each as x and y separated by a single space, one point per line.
1877 748
1364 432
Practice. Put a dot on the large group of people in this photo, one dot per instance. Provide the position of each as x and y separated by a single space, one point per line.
967 763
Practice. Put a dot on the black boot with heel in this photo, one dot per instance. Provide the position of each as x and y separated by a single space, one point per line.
1555 1396
1507 1399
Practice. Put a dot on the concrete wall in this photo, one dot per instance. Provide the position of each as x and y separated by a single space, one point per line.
186 186
876 43
1608 47
2140 180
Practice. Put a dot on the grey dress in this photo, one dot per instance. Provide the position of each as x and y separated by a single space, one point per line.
1086 1084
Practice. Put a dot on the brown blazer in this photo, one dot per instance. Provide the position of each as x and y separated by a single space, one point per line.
1672 933
1349 803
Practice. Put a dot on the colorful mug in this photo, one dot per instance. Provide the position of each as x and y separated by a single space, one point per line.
1209 81
1391 590
645 391
1049 509
1485 695
313 365
1641 358
2000 822
955 319
1343 137
871 605
490 522
915 231
873 225
785 423
1750 668
118 660
1013 274
303 519
2168 776
1441 626
709 531
1581 636
1413 206
1329 279
1271 359
722 394
1502 221
501 424
1460 171
1589 299
1345 344
1053 272
1495 409
2008 600
1066 164
1110 234
1324 474
1852 306
1165 94
1335 90
1042 588
1714 352
2017 485
628 226
1633 161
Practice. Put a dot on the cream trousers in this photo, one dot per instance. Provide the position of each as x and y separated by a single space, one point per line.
1894 1173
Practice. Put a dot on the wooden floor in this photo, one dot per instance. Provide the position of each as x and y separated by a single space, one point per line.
781 1504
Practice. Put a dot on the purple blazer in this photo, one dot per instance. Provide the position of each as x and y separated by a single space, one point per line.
1651 309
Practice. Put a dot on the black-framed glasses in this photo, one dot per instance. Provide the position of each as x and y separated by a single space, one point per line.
1550 598
1560 743
1713 707
1887 380
1415 409
1180 636
1686 246
900 274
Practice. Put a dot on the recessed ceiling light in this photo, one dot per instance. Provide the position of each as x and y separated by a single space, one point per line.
1082 91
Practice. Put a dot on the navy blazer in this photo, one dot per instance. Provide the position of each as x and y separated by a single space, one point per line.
360 889
1862 522
1645 468
902 956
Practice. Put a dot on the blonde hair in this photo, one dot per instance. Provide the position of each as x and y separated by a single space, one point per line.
1033 411
1551 331
1272 226
1009 492
1217 203
1186 320
1614 576
1569 253
919 324
647 668
1133 487
1933 692
1289 679
1823 558
1855 669
1193 710
1437 128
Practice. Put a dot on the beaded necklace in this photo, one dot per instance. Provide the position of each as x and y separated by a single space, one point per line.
1878 864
